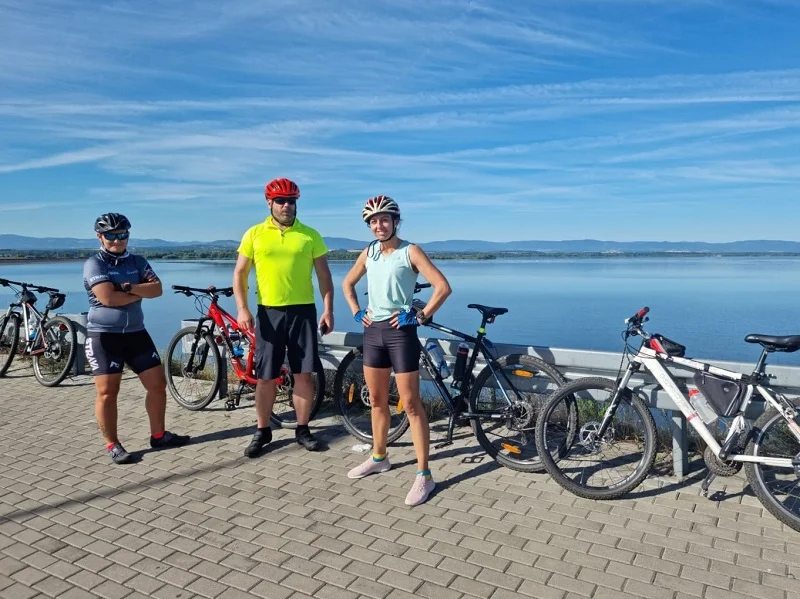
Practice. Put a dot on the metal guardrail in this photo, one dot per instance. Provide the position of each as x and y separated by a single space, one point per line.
576 363
572 363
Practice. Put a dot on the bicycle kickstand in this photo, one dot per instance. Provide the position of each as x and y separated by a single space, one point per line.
707 483
451 424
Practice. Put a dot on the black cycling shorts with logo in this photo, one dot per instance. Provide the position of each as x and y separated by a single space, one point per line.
286 331
387 347
107 353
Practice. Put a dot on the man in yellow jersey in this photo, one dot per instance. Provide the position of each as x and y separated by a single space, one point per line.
284 251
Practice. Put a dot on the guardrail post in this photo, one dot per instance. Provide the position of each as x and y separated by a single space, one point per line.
680 444
79 321
223 359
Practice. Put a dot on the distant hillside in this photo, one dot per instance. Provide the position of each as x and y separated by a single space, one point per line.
19 242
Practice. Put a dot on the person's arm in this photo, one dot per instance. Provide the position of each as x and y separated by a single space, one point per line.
109 297
325 281
441 288
358 270
150 286
241 272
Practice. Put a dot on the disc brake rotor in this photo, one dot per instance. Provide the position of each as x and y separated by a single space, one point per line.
587 436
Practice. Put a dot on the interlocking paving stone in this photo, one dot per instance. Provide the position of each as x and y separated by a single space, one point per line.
205 522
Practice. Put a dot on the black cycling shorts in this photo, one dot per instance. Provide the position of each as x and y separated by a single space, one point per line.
107 353
286 330
387 347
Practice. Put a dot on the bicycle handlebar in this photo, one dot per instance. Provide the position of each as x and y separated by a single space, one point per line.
211 290
34 287
637 318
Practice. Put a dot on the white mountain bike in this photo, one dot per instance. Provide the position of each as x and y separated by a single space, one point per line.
597 438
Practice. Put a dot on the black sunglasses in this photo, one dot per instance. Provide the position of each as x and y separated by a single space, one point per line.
112 236
282 201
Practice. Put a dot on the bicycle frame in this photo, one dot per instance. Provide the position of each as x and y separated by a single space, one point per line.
651 361
222 319
481 344
25 309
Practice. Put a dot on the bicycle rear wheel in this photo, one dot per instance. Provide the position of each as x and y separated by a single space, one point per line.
526 381
193 388
591 467
778 489
284 414
9 341
52 366
351 396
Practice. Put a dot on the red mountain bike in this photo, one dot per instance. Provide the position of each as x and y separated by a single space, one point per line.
193 360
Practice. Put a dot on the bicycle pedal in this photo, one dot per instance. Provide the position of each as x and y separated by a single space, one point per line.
442 444
230 405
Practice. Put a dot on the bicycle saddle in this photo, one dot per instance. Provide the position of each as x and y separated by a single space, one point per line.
790 343
488 311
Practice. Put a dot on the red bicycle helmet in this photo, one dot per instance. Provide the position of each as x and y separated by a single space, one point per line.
281 188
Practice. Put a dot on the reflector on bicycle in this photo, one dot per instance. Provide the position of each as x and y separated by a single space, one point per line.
351 394
399 406
511 448
522 373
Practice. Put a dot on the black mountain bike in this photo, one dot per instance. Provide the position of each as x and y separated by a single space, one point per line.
51 343
502 402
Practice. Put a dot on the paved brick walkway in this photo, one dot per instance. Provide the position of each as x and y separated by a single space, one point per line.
204 521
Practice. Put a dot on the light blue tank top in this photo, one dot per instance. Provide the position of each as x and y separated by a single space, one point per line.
390 281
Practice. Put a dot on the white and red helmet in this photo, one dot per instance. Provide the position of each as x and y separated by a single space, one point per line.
380 205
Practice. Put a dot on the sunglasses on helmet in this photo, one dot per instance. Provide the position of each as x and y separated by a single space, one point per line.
112 236
282 201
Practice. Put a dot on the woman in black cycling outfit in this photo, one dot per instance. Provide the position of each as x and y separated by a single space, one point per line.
116 282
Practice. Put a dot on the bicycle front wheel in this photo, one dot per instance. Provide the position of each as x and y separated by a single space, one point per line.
195 386
284 414
588 465
9 340
60 343
778 489
511 403
351 396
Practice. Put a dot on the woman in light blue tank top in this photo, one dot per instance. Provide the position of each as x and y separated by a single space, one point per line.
390 335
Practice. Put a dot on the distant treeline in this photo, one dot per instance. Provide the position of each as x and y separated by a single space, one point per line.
203 254
199 253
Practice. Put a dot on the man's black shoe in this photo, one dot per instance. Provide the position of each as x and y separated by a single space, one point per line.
169 439
260 440
306 439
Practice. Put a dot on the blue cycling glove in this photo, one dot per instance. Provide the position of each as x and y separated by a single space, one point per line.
359 316
407 319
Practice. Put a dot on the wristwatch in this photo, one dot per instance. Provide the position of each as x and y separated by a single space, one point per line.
126 287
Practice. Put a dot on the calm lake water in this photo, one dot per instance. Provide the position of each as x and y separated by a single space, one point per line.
708 304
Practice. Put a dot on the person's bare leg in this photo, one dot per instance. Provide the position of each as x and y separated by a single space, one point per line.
105 405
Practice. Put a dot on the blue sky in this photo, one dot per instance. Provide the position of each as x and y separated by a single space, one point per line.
605 119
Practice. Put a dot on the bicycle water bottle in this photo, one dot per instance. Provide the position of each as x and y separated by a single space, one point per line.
700 404
234 335
460 365
435 354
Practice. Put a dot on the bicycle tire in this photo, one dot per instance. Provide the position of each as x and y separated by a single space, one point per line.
11 320
349 383
289 422
170 369
530 365
554 465
756 474
71 339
